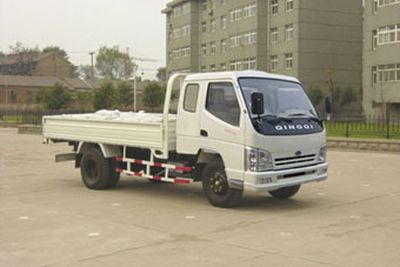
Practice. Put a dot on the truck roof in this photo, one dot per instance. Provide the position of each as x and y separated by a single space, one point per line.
238 74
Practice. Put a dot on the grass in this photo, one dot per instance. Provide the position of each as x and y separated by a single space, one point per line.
29 119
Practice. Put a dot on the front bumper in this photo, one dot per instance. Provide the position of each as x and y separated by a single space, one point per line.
272 180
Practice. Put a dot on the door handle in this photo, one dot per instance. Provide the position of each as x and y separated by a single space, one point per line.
203 133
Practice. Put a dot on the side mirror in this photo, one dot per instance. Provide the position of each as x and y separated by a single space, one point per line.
257 103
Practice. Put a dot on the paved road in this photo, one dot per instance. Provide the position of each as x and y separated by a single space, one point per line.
48 218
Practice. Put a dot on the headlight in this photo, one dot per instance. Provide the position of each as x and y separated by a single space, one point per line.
322 154
258 160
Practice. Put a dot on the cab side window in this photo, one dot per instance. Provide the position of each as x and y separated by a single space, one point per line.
222 102
191 95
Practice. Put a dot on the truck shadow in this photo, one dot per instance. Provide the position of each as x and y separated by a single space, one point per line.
194 194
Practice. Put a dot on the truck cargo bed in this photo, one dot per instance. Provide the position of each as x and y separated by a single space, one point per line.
112 127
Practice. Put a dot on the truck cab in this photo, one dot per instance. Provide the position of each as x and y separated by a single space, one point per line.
281 147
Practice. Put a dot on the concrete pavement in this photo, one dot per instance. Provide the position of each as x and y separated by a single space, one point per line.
48 217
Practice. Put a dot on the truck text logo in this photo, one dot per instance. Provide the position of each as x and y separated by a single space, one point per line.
294 127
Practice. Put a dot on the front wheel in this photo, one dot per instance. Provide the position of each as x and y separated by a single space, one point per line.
285 192
216 187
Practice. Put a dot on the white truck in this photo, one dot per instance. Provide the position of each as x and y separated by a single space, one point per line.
233 131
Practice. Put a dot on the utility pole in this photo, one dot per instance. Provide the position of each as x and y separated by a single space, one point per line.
6 92
92 67
135 81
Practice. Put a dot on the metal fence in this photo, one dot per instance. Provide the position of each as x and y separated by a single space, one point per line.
387 127
31 116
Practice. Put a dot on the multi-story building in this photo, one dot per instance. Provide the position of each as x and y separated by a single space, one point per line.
313 40
381 57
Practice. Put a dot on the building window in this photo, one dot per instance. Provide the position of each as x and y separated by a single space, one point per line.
13 97
249 38
250 64
243 12
213 25
249 11
204 49
204 4
374 39
389 34
235 65
288 32
203 68
374 75
288 61
181 32
223 66
223 46
236 15
289 5
212 68
180 53
222 103
274 63
274 35
204 26
191 96
386 73
213 48
181 10
235 40
383 3
243 39
224 22
274 7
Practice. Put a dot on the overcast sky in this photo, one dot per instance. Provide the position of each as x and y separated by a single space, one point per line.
81 26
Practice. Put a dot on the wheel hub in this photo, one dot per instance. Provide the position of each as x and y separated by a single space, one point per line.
218 184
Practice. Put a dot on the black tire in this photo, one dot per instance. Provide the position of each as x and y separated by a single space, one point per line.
95 170
114 176
285 192
216 188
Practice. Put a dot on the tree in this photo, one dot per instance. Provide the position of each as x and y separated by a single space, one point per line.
162 74
113 64
124 95
337 96
84 100
104 96
348 96
23 58
316 94
56 49
56 98
85 72
153 95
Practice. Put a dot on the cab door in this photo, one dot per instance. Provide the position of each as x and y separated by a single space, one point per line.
188 122
222 126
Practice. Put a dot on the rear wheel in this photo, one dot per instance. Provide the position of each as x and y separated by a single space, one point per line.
285 192
216 187
97 172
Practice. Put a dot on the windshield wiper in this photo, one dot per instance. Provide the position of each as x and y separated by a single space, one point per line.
309 116
275 118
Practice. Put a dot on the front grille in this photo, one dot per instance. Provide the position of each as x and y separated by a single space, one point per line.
288 162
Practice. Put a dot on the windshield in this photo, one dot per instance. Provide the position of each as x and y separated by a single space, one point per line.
281 98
